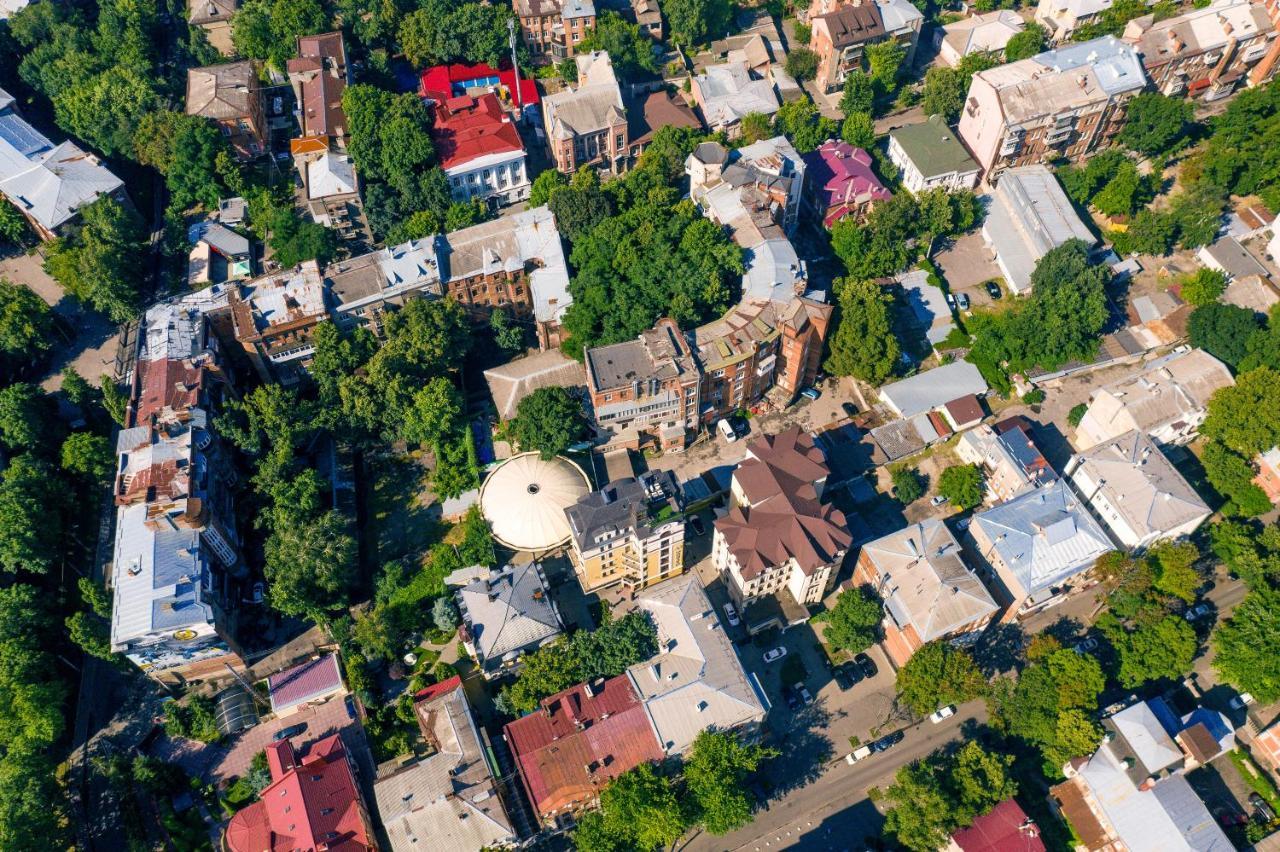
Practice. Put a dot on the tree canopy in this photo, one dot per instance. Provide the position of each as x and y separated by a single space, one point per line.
1156 124
1223 331
97 260
716 769
863 343
851 625
1050 705
268 30
936 675
962 485
1246 642
549 421
946 791
629 49
695 22
1246 416
1027 43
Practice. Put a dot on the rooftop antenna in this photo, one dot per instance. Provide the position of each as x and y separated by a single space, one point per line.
515 64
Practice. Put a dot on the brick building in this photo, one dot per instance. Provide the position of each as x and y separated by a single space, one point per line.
587 124
231 97
629 532
839 39
552 29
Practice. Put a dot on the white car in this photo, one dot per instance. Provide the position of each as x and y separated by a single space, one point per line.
775 654
725 428
731 615
942 713
1241 701
857 754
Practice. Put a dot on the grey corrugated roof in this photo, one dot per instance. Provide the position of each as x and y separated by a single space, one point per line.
932 388
1029 216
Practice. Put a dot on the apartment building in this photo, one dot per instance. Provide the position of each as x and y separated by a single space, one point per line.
630 532
587 124
839 38
552 29
273 317
230 96
480 150
1010 459
929 156
1063 103
1061 18
1206 53
176 570
779 537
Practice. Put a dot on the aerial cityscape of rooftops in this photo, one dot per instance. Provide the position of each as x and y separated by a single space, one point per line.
622 425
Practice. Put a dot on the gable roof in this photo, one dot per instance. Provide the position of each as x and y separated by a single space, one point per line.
513 381
1030 216
1005 828
596 104
304 682
933 388
56 182
221 91
467 128
983 33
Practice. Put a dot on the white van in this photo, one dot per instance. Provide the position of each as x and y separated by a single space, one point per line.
857 754
725 428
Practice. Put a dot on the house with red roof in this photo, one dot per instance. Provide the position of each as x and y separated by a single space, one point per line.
516 93
1005 828
314 681
579 740
840 182
311 805
480 149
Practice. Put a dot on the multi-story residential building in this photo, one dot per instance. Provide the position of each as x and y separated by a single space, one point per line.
514 264
929 592
552 29
902 23
214 17
779 537
230 96
505 615
448 796
629 532
726 93
1010 460
1037 545
988 33
839 38
176 570
1067 102
1061 18
646 386
1205 53
1267 65
273 318
840 182
480 150
587 124
1136 491
929 156
313 800
319 76
48 183
1029 216
756 191
1167 399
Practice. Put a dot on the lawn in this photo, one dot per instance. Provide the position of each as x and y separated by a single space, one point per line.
1256 778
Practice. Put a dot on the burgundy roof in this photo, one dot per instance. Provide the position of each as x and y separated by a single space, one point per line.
576 742
166 383
303 682
1005 829
842 178
966 409
467 128
775 462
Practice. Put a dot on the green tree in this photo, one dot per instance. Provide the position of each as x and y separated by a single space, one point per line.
435 413
1027 43
105 109
310 566
13 227
1246 416
858 94
88 455
548 420
629 49
91 634
294 239
884 66
1124 193
31 503
195 719
852 623
716 770
1245 645
26 417
268 30
863 345
544 185
859 130
931 798
981 779
695 22
755 126
962 485
639 810
464 214
1049 706
939 674
98 261
907 486
945 88
1203 287
1223 331
26 324
444 615
1231 475
800 121
1065 315
802 63
507 334
1162 650
1156 124
581 206
184 148
114 400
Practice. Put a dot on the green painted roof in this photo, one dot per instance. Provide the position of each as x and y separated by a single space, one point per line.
934 148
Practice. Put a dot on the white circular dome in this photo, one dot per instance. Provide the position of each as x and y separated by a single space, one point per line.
524 500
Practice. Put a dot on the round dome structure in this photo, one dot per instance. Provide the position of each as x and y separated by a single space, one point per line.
524 499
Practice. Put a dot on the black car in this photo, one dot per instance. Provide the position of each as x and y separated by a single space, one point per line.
866 665
793 700
289 732
698 527
847 676
993 290
1263 811
888 741
849 408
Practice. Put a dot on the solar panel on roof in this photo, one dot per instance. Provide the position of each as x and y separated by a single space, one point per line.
22 136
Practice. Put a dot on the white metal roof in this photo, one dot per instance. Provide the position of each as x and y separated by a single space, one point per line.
525 497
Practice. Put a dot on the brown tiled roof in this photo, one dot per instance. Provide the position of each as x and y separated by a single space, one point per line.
1076 811
966 409
781 462
1199 743
854 24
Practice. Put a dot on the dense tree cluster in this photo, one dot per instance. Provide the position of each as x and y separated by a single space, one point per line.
863 344
695 22
1027 43
629 49
1113 19
934 797
945 88
1110 183
440 31
939 674
97 260
1244 642
897 230
1156 124
549 420
852 624
962 485
1142 622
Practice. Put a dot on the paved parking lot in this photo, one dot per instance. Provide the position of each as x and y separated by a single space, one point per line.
966 264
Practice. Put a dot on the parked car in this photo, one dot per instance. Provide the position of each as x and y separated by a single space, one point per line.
963 299
790 696
1230 818
289 732
1198 612
1262 808
963 523
725 428
731 615
942 713
803 692
888 741
867 666
775 654
857 754
938 500
850 409
847 676
739 425
350 703
811 393
951 301
257 592
1087 645
698 527
993 290
1241 701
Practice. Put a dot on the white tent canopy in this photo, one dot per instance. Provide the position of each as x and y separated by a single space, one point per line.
524 500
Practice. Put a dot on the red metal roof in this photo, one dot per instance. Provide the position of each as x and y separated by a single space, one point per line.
167 383
442 82
304 682
576 742
1007 828
467 128
435 690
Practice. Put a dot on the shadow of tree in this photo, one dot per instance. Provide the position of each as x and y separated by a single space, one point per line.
1000 649
804 750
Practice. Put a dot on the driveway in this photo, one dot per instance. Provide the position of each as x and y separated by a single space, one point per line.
966 264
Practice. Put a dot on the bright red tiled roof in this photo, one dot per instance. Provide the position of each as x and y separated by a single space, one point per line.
311 804
442 82
1007 828
467 128
575 743
304 682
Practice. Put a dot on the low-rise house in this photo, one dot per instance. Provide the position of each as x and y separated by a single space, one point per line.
1167 399
1037 544
48 183
840 182
312 802
929 592
696 682
1011 461
1063 103
987 33
319 76
1029 216
480 150
779 537
839 38
231 97
649 113
932 389
928 305
314 681
629 532
1004 828
587 124
554 28
1133 793
511 382
448 797
577 741
217 254
749 50
963 413
929 155
214 17
1136 491
1205 53
506 615
1232 259
1063 17
726 93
